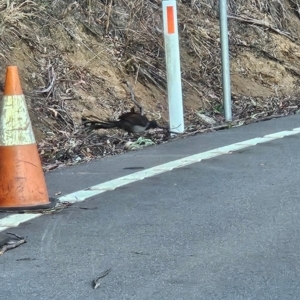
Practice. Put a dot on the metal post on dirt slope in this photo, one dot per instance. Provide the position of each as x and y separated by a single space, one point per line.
173 65
225 60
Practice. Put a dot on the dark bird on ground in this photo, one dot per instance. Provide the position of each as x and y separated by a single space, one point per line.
131 122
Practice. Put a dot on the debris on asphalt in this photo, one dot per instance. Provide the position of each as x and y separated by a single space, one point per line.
87 208
97 281
11 242
60 205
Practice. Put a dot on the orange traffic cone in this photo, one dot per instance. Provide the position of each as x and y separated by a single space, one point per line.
22 181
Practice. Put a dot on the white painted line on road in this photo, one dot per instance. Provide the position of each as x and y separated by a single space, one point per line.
78 196
16 219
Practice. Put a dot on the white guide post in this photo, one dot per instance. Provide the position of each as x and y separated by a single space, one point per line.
173 66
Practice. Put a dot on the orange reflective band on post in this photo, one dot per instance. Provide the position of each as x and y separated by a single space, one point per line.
170 19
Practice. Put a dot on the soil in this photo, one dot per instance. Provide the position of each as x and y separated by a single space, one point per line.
74 57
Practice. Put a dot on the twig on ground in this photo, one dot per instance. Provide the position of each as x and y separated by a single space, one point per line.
52 76
261 23
108 16
133 97
97 281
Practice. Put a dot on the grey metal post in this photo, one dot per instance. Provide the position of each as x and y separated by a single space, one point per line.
225 60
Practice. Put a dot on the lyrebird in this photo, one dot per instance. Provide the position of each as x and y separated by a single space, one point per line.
132 122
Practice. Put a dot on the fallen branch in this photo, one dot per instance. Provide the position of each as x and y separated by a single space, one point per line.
236 123
260 23
210 129
53 77
108 16
133 98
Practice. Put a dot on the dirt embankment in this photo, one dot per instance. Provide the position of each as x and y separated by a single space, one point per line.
74 56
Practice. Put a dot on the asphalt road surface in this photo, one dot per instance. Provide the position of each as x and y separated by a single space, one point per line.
225 228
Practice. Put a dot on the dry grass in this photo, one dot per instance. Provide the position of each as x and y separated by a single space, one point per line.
127 35
15 18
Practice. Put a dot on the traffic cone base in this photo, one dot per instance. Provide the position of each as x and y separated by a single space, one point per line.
22 182
26 185
34 208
